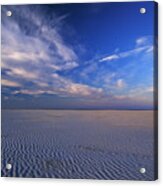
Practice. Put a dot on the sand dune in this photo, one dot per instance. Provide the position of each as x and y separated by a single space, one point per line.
78 144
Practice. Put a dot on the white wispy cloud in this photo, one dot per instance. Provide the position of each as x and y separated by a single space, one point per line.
9 83
142 41
70 89
120 83
36 57
143 44
65 86
140 93
110 58
44 45
145 40
22 73
83 90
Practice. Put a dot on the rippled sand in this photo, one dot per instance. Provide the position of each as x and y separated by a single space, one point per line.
78 144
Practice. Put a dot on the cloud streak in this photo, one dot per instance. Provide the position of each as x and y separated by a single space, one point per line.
142 45
9 83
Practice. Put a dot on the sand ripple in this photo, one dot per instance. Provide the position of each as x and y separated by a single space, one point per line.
58 144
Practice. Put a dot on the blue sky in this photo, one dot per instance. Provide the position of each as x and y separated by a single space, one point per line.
89 56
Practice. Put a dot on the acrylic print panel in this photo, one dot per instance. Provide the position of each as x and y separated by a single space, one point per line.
79 91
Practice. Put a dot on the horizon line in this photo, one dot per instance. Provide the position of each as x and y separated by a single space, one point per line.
71 109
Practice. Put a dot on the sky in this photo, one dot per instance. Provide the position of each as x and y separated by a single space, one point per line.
78 56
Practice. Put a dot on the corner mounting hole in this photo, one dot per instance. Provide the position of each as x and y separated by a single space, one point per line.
9 13
8 166
142 170
142 10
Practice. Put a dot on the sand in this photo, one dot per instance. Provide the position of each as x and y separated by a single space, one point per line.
78 144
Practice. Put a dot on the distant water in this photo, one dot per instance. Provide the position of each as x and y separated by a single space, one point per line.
78 144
